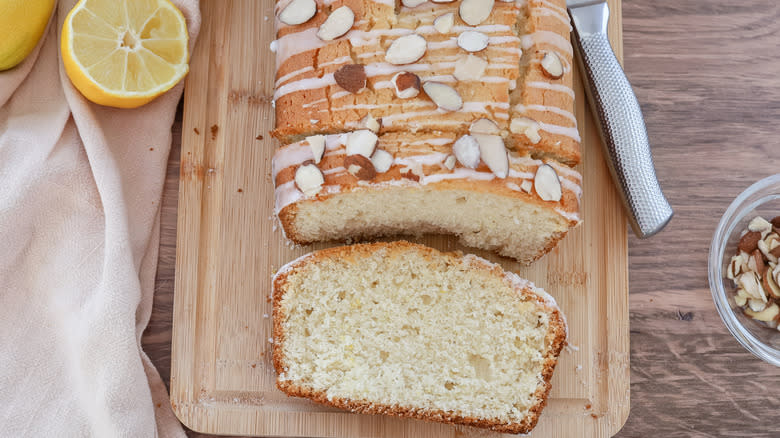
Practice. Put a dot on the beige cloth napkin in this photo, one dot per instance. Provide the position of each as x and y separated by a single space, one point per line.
80 189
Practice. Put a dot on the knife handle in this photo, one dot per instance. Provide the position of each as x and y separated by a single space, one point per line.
621 123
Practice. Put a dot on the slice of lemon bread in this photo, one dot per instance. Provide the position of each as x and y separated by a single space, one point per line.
402 329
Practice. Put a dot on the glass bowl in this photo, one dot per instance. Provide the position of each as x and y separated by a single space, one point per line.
760 199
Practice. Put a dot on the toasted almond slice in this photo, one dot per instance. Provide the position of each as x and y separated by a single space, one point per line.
351 77
474 12
406 50
370 123
382 160
362 142
309 179
528 127
472 41
760 225
298 12
770 285
770 313
407 85
756 305
484 126
552 65
360 167
444 23
470 68
547 183
444 96
317 145
749 242
493 153
466 150
527 185
338 23
450 161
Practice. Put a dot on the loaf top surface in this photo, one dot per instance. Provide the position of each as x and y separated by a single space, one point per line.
326 86
402 329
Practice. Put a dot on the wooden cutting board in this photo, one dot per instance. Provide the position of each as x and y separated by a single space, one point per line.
222 378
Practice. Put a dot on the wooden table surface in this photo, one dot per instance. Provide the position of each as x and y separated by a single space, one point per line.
706 74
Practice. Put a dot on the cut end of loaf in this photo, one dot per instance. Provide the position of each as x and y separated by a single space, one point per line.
511 226
402 329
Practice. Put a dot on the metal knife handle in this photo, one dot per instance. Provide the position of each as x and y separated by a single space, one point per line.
623 131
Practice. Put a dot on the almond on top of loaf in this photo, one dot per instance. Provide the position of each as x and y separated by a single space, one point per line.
428 67
402 329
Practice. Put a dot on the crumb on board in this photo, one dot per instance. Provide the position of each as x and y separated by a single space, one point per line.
151 149
240 190
259 137
214 131
196 131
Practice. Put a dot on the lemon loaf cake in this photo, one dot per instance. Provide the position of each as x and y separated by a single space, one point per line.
360 185
402 329
412 117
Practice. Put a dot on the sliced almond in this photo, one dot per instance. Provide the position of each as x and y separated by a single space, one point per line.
360 167
472 41
370 123
470 68
474 12
741 300
749 282
444 96
756 305
450 161
526 186
547 184
466 150
552 65
406 50
309 179
775 252
771 286
412 3
484 126
493 153
407 85
317 145
749 242
761 225
362 142
770 313
775 222
382 160
351 77
338 23
298 12
444 23
528 127
760 264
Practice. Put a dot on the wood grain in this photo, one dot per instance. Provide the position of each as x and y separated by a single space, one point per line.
705 73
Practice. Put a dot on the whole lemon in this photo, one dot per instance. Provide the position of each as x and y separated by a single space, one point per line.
22 23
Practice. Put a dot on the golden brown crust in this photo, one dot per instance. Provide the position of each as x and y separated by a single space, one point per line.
556 340
307 103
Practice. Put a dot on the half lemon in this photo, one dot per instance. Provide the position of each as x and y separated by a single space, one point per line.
124 53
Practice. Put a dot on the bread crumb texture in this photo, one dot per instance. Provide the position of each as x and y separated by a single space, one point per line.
403 329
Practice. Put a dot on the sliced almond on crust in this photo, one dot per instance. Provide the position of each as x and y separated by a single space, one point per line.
484 126
317 145
382 160
338 23
406 50
493 153
407 85
362 142
528 127
470 68
309 179
360 167
547 184
526 186
552 66
298 12
444 23
472 41
351 77
450 161
466 150
370 123
474 12
444 96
